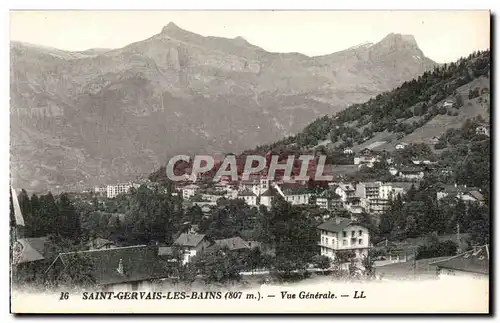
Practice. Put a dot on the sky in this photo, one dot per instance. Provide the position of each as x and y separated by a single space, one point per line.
443 36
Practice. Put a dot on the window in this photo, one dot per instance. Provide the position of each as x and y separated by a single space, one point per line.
360 233
353 233
360 241
135 286
344 242
344 234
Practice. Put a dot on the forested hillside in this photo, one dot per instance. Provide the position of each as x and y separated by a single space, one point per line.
435 101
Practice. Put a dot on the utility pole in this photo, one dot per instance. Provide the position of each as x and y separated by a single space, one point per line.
458 238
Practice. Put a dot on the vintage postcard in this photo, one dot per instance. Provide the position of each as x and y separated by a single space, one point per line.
250 161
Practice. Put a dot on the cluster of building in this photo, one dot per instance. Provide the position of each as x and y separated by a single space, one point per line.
370 197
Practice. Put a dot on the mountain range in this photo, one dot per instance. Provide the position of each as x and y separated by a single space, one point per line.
108 115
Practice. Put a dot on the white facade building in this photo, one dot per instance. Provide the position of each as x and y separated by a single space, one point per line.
340 234
115 190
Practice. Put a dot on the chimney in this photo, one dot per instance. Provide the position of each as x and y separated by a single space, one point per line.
250 244
455 185
234 244
120 267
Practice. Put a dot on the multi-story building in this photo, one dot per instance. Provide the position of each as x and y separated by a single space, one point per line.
123 188
298 196
339 234
328 200
249 197
345 191
189 191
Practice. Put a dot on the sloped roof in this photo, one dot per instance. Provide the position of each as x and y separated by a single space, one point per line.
335 225
234 243
189 240
270 192
477 195
32 249
139 263
470 261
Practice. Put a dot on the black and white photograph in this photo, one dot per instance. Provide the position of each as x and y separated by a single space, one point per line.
272 161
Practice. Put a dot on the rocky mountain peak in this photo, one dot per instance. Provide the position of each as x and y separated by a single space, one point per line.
171 27
394 42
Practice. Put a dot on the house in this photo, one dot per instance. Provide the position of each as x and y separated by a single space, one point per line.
447 104
483 130
434 140
191 245
268 196
249 197
475 196
353 205
473 264
401 145
393 171
298 196
345 191
339 234
132 268
411 173
348 151
252 185
455 190
189 191
99 243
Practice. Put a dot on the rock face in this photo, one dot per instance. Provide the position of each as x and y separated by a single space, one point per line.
84 118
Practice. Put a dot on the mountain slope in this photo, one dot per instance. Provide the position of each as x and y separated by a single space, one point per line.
415 112
104 115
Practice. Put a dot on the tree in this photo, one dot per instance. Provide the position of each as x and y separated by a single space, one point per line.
322 262
437 249
219 266
68 222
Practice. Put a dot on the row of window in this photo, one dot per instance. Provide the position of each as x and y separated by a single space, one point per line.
353 233
324 241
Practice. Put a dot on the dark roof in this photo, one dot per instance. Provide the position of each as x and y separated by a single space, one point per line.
32 249
234 243
335 225
422 267
139 263
270 192
189 240
470 261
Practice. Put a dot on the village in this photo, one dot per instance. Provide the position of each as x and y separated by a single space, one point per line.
344 243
